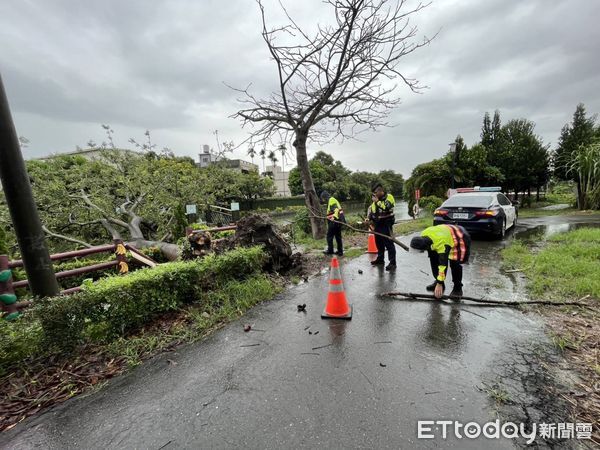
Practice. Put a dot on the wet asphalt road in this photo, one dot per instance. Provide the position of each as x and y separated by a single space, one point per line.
287 392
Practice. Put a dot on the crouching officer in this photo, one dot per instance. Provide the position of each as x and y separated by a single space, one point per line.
445 244
381 214
334 229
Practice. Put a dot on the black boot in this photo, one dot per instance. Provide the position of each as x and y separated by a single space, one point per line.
378 262
456 293
431 287
327 252
391 267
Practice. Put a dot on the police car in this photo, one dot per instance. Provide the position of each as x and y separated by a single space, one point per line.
478 209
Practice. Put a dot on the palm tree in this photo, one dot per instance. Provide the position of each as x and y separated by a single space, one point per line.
273 157
263 155
252 153
585 164
282 149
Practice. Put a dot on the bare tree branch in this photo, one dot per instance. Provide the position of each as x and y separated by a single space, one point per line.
65 238
335 82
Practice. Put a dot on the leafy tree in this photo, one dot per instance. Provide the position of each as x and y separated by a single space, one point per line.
474 169
332 176
333 82
486 132
578 134
522 157
253 186
585 164
393 182
135 197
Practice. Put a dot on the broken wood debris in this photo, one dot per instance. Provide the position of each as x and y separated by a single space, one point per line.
414 296
322 346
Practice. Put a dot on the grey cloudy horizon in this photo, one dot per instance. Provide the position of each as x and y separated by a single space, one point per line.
69 66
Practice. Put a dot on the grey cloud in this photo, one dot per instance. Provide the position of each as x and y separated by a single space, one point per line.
139 64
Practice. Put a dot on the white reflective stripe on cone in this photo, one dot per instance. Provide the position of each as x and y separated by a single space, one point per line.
335 273
336 287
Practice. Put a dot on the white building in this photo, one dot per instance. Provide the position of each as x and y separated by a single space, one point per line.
280 179
205 158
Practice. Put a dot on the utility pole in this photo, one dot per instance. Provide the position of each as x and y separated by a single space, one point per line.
22 207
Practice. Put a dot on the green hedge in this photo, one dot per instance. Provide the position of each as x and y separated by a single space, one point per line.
271 203
430 203
115 306
19 339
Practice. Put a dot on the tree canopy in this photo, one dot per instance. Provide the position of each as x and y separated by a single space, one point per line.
129 196
576 143
331 175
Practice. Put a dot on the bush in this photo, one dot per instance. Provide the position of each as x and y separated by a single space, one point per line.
19 340
430 203
155 253
117 305
302 221
3 245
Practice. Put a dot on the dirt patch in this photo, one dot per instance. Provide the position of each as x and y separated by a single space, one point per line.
524 388
576 333
557 382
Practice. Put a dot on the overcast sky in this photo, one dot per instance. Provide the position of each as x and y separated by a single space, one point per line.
69 66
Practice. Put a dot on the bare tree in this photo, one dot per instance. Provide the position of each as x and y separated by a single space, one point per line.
335 83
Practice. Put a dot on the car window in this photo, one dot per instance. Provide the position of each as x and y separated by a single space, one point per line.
469 201
503 200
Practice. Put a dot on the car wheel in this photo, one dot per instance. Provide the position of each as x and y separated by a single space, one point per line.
502 231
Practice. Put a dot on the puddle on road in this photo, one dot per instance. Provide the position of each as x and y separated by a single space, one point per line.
534 234
484 271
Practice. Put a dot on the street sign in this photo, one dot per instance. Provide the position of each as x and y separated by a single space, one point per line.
417 194
235 206
190 209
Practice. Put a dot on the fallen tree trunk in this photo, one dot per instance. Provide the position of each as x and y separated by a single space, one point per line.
394 240
171 251
414 296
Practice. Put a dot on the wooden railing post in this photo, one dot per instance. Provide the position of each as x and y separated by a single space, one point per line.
121 254
8 299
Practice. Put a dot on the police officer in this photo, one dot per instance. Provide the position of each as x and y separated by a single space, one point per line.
334 229
381 215
445 244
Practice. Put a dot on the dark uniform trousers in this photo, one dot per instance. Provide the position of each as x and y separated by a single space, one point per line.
385 226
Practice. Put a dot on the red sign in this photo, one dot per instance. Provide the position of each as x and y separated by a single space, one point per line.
417 194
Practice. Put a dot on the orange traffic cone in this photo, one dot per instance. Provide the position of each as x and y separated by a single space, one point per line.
371 245
337 306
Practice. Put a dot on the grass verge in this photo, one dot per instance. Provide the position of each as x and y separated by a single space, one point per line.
410 226
525 213
38 383
566 267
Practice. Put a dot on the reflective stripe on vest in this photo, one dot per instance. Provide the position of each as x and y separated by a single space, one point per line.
459 249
